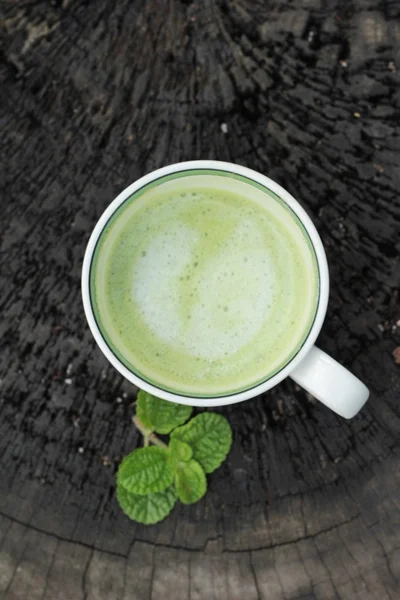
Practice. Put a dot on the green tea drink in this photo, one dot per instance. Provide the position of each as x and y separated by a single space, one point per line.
204 284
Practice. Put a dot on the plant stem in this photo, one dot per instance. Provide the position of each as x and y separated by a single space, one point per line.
148 435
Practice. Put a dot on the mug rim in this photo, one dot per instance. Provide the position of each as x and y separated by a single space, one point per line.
230 398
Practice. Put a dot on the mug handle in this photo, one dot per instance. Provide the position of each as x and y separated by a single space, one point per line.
330 383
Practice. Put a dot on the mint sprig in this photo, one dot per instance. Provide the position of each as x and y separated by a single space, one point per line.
150 479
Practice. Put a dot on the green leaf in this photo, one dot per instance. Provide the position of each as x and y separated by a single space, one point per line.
210 437
146 509
160 415
145 470
190 482
179 453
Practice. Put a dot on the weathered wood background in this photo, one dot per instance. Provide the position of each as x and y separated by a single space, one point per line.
96 93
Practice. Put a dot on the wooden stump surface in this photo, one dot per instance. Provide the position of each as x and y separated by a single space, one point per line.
93 95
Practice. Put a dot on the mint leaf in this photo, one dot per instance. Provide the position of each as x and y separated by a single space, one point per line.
179 453
145 471
160 415
210 437
146 509
190 482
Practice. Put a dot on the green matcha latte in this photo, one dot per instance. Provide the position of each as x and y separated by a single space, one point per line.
204 283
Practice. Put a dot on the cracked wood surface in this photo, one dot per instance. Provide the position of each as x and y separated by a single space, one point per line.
95 94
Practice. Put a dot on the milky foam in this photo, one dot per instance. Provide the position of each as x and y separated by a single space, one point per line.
223 302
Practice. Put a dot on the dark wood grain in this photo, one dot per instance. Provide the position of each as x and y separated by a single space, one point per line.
93 95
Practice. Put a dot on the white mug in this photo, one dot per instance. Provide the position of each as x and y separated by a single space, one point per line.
313 369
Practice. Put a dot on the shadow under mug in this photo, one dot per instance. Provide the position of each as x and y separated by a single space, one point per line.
311 368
